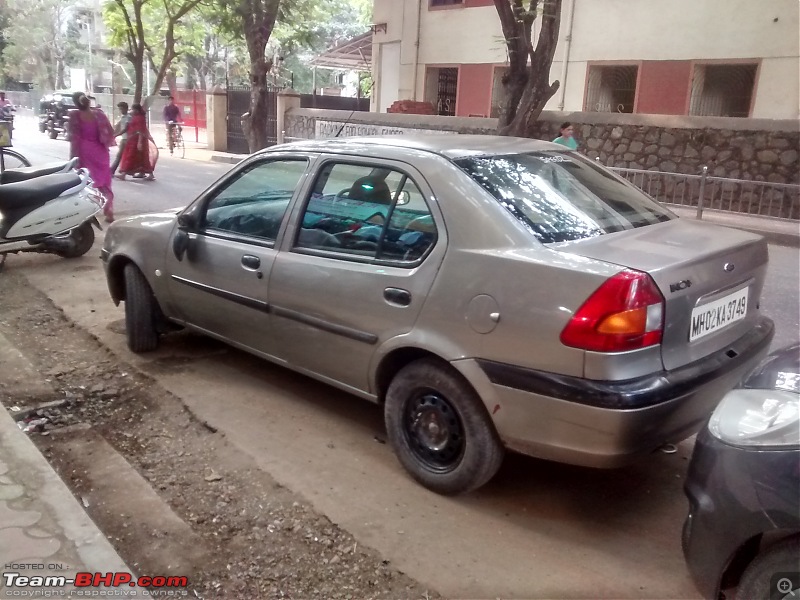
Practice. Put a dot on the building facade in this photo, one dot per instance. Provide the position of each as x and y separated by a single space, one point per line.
734 58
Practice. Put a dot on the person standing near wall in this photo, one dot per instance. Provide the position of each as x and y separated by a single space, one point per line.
566 136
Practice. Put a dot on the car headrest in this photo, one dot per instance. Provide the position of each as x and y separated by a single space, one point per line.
369 189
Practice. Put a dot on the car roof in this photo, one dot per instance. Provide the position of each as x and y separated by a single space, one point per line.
452 146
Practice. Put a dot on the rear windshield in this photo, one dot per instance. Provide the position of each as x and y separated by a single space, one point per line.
561 196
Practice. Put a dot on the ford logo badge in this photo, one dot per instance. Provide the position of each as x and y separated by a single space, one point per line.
729 267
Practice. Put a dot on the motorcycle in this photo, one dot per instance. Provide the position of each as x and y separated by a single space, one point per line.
18 174
48 210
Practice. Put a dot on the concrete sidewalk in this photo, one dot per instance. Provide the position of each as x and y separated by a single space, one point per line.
777 231
44 531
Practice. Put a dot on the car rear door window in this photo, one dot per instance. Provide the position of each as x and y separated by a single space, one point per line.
367 211
561 196
254 203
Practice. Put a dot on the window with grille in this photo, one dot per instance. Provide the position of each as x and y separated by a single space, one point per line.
722 90
611 88
445 2
442 89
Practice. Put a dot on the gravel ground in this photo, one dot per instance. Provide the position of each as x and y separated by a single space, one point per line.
264 541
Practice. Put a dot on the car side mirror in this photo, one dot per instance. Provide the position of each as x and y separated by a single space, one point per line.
180 243
187 222
402 197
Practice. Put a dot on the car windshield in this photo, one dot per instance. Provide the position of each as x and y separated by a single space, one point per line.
561 196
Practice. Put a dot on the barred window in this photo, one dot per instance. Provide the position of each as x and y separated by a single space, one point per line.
722 90
611 88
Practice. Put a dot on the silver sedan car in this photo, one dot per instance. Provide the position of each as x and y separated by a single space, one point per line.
490 293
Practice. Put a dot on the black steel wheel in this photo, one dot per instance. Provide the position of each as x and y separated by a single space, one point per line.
433 431
141 311
440 429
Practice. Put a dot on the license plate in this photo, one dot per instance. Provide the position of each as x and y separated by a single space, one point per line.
719 314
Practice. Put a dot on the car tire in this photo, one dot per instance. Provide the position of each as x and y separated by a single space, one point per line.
756 579
140 311
439 428
83 237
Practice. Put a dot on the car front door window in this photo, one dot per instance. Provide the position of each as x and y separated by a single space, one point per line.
254 203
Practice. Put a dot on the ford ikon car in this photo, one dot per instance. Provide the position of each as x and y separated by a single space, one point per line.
490 293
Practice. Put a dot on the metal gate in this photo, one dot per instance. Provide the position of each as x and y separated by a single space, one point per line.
239 104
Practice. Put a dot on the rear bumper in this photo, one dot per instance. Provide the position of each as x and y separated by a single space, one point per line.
610 423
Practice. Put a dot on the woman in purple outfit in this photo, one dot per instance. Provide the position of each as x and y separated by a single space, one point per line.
90 136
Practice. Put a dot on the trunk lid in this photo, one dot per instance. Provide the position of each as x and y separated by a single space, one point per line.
711 278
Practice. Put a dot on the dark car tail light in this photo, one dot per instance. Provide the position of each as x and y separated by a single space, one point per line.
625 313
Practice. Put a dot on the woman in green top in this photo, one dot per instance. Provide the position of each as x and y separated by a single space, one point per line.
567 137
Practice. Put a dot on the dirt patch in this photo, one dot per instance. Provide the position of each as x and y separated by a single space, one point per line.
263 541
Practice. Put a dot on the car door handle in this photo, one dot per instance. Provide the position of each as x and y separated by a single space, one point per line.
397 296
250 262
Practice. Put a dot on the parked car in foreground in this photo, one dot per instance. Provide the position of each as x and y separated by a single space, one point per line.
489 292
743 526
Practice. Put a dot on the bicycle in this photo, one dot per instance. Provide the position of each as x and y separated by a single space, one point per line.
178 146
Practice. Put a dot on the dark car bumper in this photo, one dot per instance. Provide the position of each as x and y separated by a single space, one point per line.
610 423
735 496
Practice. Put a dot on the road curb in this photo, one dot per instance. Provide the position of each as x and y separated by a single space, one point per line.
232 159
782 232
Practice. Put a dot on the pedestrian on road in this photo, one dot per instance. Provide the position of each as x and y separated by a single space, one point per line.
141 153
172 116
121 131
90 136
7 112
566 136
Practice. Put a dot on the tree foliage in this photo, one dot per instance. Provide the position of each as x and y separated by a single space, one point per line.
526 85
35 42
148 30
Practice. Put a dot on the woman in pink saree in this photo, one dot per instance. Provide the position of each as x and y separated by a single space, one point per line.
90 136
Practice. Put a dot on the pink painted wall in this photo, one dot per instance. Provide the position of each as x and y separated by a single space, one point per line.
664 87
474 90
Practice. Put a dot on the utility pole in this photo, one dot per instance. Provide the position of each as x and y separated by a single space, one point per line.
89 38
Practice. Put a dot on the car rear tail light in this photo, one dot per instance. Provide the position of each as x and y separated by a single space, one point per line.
625 313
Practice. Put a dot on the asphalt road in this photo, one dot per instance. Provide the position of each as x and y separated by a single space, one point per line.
539 529
178 181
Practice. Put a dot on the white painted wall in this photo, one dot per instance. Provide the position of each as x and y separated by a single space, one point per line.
616 30
390 75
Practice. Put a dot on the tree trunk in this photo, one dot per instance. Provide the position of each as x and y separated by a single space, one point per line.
254 123
60 83
138 87
258 19
527 87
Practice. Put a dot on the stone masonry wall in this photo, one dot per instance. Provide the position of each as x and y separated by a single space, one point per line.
758 150
752 155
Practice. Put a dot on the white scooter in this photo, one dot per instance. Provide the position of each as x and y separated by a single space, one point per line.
49 210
